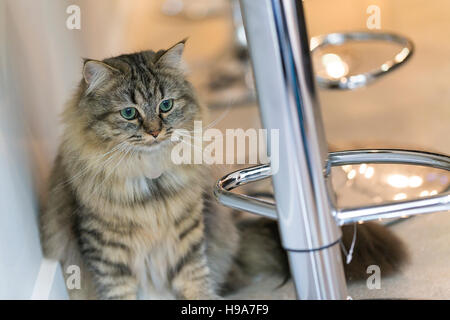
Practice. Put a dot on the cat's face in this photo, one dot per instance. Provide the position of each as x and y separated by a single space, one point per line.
138 100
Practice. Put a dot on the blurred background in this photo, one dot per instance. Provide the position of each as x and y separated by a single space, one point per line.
41 60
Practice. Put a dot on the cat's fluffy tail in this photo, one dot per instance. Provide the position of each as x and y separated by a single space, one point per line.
261 252
375 245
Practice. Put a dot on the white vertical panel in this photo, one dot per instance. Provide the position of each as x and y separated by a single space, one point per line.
39 59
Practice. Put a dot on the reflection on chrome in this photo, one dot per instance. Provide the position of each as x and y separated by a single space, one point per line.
352 174
397 181
345 82
335 67
415 181
400 196
402 181
369 172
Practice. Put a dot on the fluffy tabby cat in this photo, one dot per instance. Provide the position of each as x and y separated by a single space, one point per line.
140 226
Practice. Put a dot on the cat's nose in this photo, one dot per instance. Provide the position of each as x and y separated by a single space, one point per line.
153 128
154 133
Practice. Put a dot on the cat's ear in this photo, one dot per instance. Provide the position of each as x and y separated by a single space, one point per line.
173 57
96 72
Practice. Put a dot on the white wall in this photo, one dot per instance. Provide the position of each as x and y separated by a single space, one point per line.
37 74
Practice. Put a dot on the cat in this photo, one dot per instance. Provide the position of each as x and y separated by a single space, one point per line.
140 226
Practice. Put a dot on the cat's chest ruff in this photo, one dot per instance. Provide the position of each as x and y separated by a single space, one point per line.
138 187
145 189
157 203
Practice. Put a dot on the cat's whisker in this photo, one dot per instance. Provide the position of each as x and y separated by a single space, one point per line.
219 119
216 121
110 159
192 145
91 165
110 151
111 171
184 135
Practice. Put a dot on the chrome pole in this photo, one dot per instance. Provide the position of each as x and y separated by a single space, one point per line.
279 50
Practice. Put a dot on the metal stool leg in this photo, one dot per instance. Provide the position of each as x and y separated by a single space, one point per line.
279 50
305 208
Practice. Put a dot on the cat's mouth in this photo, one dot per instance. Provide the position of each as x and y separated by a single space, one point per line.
147 144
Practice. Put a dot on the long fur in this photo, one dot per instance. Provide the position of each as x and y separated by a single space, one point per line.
137 224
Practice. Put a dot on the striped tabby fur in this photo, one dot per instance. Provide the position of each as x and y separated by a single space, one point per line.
135 223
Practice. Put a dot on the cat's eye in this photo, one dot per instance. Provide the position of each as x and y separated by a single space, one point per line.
129 113
166 105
